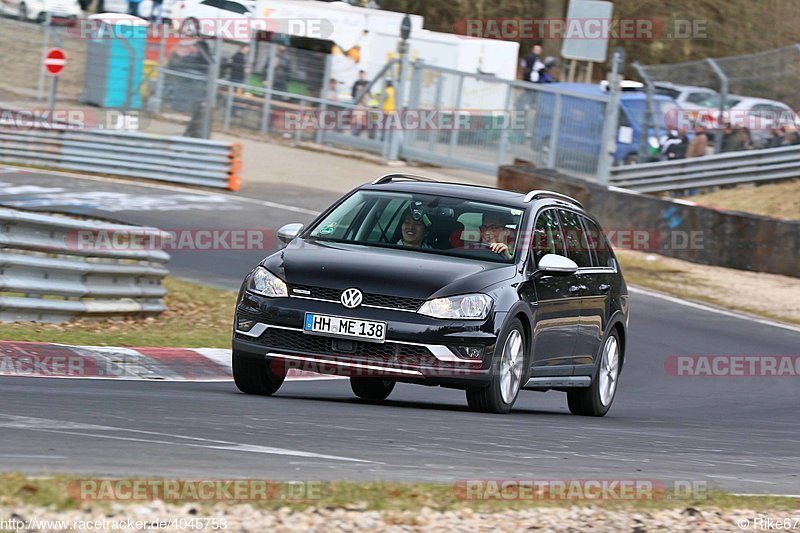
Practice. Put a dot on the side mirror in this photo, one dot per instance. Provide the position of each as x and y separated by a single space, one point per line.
289 232
556 265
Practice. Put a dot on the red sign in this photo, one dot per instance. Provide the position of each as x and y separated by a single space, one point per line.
54 61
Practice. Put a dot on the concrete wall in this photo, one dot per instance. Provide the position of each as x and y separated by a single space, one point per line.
673 227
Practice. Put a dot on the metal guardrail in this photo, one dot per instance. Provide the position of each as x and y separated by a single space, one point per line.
747 166
137 155
53 268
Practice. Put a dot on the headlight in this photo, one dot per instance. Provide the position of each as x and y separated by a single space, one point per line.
469 306
264 282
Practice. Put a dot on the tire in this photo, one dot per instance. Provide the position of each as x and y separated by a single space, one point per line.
254 376
596 400
371 388
508 369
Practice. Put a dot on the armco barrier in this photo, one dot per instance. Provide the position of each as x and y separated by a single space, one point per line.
747 166
46 275
137 155
728 239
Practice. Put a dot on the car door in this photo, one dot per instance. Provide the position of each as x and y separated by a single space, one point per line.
556 310
578 250
598 283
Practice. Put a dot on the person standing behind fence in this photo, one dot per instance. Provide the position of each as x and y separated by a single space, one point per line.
157 11
528 62
698 147
238 63
133 7
359 85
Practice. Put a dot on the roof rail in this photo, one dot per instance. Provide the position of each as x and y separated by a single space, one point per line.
388 178
535 195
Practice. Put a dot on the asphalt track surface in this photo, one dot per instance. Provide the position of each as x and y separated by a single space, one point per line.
735 433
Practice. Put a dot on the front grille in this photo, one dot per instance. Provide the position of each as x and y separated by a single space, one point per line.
297 341
379 300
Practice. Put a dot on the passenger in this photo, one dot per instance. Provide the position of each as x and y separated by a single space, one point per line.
495 234
414 230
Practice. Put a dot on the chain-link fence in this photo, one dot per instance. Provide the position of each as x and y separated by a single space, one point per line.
434 115
739 102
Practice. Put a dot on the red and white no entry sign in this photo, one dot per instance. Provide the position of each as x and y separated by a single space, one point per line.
54 61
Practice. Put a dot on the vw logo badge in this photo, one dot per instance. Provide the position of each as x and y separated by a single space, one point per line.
351 298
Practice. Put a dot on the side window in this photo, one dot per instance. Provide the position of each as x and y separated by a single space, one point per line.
598 244
575 238
386 224
547 237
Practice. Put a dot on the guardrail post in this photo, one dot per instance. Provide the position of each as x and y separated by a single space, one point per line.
501 149
270 75
325 97
608 139
555 128
454 132
723 93
228 105
297 129
47 28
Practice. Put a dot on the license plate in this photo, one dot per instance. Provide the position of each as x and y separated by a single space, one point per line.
337 326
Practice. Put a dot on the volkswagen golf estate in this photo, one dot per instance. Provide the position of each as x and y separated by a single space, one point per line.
410 280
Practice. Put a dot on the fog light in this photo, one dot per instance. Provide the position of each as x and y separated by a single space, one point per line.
470 352
244 324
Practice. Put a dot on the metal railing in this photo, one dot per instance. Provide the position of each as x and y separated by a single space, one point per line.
53 268
731 168
137 155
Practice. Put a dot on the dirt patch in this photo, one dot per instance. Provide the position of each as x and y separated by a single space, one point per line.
767 295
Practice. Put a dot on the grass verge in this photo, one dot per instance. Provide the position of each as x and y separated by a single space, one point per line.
61 492
771 199
197 316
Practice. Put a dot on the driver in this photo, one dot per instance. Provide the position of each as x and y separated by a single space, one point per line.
414 229
495 234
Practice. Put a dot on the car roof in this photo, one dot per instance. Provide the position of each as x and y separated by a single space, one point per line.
749 101
594 89
477 193
682 88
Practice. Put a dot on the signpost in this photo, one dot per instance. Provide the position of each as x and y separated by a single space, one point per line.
54 63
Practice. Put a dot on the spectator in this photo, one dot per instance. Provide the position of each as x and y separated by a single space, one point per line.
237 66
387 103
545 73
528 62
792 136
359 85
133 7
674 146
698 147
333 91
157 11
776 138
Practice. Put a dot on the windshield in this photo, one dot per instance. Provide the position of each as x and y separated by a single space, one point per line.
423 223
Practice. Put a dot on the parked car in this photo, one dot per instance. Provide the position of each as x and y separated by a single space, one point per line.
36 10
145 8
414 281
688 97
759 115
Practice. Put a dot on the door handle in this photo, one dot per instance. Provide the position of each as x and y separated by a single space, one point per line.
577 288
605 287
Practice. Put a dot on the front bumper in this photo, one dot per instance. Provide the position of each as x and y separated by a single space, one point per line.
417 349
